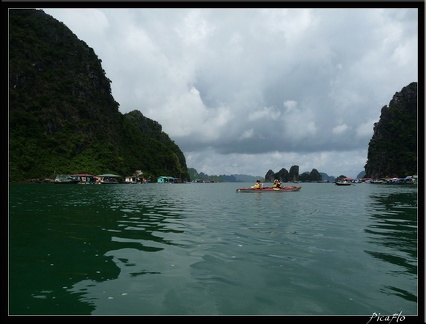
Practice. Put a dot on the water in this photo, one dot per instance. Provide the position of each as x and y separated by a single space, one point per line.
203 249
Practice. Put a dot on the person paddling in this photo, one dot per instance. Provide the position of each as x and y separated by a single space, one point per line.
258 185
276 184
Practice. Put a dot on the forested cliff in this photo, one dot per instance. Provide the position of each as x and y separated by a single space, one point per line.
62 115
392 151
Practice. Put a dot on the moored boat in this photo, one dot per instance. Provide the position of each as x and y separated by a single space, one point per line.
343 183
270 189
65 179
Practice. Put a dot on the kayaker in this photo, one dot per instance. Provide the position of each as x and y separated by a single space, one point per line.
258 185
276 184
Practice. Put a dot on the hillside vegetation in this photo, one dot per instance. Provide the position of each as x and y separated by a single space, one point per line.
62 116
392 151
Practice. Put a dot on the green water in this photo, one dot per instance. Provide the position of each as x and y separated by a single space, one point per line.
203 249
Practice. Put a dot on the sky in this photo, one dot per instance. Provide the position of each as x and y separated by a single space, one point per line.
245 91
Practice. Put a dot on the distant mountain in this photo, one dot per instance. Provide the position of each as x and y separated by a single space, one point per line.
326 177
361 175
246 178
194 176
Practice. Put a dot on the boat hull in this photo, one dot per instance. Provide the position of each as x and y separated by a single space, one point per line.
270 189
67 182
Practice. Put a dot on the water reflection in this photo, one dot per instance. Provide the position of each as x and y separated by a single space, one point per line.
64 238
393 231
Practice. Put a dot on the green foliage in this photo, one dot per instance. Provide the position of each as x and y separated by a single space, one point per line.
194 176
392 150
315 176
304 177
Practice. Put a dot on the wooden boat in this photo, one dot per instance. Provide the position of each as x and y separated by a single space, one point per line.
270 189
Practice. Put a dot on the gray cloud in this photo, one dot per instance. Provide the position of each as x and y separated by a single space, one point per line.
248 90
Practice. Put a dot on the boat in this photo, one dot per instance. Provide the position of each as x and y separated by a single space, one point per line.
65 179
377 181
343 183
270 189
409 180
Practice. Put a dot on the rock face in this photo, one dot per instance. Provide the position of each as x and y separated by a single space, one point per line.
62 116
283 175
392 150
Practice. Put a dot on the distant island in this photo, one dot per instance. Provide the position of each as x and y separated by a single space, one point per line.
305 177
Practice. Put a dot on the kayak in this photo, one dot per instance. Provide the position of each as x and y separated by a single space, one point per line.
270 189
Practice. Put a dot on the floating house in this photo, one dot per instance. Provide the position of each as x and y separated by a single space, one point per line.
166 179
85 178
109 178
131 179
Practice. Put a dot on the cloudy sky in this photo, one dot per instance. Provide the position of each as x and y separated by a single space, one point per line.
244 91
